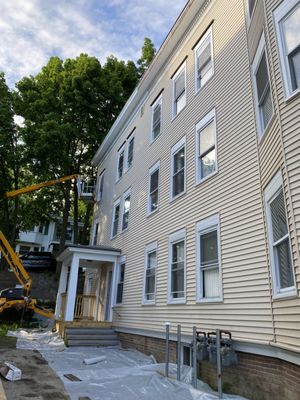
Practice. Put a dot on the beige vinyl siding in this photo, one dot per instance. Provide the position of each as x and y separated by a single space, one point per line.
234 193
286 312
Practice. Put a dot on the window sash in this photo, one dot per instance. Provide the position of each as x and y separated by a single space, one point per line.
204 62
150 276
178 178
116 219
126 210
121 164
207 155
177 285
101 187
156 123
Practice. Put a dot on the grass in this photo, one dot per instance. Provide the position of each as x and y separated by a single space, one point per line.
4 328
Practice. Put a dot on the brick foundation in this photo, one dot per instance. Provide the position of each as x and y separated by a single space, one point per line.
255 377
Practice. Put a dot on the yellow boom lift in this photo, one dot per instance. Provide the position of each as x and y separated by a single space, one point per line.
20 297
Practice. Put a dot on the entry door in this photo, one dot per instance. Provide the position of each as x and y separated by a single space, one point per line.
108 296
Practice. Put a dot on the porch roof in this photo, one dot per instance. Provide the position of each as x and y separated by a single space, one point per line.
93 253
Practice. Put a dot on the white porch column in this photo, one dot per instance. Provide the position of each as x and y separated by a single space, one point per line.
72 288
113 289
61 288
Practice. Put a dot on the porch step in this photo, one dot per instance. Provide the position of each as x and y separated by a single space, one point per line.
91 337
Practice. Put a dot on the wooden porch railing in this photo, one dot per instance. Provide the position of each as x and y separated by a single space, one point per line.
85 307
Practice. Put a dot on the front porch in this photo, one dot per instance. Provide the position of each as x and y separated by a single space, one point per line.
86 287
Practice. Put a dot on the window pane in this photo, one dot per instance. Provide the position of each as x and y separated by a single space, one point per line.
262 80
207 137
116 220
177 281
278 216
178 183
156 120
204 62
208 163
251 6
151 260
179 160
291 30
267 108
122 272
119 293
179 85
154 181
211 282
178 252
154 200
180 103
294 60
126 213
120 164
209 248
285 264
130 152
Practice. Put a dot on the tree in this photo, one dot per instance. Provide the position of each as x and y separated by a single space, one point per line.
68 108
10 161
148 52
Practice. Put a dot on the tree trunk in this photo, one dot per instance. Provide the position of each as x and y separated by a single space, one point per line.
66 212
85 231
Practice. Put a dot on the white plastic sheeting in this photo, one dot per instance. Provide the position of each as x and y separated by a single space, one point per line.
124 375
37 339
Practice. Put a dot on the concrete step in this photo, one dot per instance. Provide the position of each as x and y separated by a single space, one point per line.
92 337
83 342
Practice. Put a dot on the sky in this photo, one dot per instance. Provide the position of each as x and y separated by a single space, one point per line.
31 31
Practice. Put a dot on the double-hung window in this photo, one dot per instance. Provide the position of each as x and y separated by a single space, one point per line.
206 155
287 24
130 151
177 267
156 119
204 66
178 166
279 239
179 90
115 218
153 197
208 260
121 157
262 89
126 209
101 187
120 282
150 273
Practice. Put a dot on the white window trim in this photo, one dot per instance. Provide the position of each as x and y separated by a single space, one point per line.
211 116
158 101
204 226
124 162
278 15
261 48
200 44
154 168
173 238
181 143
115 204
270 193
130 137
183 67
121 260
125 195
149 249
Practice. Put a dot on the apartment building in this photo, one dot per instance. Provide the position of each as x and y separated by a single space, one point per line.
198 195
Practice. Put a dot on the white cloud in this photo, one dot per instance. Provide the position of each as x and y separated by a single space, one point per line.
33 30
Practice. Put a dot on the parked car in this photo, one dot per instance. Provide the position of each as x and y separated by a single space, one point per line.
38 260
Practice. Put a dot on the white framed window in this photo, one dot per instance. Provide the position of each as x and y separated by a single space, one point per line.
206 147
178 167
204 63
156 119
287 25
153 196
126 209
100 187
120 281
179 90
130 148
262 89
121 160
279 239
250 6
150 273
209 277
176 281
115 218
